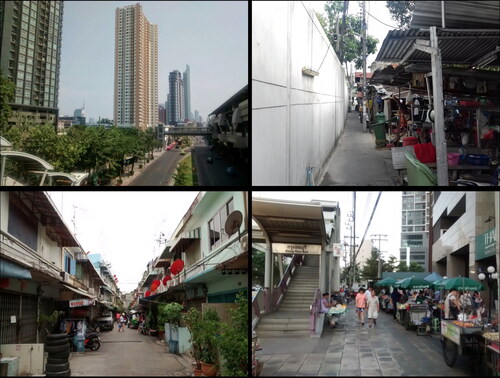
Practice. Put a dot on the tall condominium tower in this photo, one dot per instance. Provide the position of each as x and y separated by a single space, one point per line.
176 98
30 55
187 93
136 69
415 228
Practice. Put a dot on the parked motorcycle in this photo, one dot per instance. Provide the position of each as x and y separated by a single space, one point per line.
92 341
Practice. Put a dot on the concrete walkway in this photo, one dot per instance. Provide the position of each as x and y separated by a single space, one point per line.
386 350
357 162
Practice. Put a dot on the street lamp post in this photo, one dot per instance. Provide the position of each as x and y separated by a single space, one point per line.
490 277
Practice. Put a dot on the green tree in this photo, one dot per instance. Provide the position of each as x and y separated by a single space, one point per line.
414 267
181 176
390 265
258 267
369 271
345 274
352 41
401 12
7 90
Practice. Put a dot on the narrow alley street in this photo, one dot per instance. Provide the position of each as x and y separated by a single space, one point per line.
356 161
385 350
129 354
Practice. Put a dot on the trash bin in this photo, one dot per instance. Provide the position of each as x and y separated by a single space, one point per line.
173 346
379 117
379 131
80 346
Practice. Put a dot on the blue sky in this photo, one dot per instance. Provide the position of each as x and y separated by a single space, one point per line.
212 37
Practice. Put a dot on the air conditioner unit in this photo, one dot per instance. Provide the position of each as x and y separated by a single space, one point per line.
443 231
65 276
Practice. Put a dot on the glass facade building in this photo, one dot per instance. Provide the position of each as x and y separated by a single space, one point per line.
176 98
31 33
415 228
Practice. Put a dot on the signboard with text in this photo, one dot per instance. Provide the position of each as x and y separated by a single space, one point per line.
450 331
297 249
81 302
486 245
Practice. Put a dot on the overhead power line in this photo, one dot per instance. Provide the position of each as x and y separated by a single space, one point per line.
393 27
369 222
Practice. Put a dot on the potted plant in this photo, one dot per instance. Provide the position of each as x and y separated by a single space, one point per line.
171 313
233 343
193 320
49 322
209 353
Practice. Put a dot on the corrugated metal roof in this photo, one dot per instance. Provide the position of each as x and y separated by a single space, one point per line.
457 47
458 14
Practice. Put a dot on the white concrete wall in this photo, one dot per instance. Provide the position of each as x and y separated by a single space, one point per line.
297 119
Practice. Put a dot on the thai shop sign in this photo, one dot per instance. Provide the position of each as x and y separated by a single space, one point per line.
297 249
486 245
81 302
450 331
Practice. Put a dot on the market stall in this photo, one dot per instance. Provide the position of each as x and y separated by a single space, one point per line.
336 314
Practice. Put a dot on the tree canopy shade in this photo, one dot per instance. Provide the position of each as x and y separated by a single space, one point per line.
351 48
401 12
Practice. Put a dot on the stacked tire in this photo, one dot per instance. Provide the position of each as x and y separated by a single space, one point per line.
58 348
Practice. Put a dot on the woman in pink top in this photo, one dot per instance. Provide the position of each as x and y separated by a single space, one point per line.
360 305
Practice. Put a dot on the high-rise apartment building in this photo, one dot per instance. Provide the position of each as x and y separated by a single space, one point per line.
186 77
196 116
167 109
176 98
136 69
30 55
415 228
162 117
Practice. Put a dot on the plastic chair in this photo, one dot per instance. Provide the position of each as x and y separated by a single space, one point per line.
418 173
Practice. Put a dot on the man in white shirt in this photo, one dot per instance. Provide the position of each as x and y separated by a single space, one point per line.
452 301
368 293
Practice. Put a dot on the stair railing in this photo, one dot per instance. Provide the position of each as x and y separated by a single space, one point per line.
315 311
271 302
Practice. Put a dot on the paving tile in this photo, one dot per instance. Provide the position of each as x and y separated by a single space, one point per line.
371 372
290 368
350 373
390 372
308 369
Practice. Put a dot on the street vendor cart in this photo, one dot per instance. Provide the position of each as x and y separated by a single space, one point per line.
414 315
460 337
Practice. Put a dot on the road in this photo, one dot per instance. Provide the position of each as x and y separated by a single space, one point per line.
159 173
128 354
215 173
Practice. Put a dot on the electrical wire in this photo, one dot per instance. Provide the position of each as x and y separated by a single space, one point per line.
393 27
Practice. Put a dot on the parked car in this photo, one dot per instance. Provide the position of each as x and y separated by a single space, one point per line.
106 321
230 171
210 159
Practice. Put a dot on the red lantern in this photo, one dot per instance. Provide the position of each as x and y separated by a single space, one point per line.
177 266
153 287
156 282
148 293
166 278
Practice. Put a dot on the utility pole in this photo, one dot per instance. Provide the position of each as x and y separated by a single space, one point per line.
379 238
354 236
342 31
364 69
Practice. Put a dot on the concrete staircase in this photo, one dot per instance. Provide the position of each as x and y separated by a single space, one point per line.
292 318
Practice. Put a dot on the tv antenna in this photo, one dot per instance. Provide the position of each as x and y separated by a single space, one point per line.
74 218
233 223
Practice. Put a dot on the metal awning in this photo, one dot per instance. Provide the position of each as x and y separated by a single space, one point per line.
237 262
458 14
43 208
10 270
289 221
207 275
184 241
28 161
78 291
457 46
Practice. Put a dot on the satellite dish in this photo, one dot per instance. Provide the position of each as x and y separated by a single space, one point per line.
233 223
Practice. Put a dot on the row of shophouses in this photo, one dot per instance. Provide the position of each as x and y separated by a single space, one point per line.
44 268
214 255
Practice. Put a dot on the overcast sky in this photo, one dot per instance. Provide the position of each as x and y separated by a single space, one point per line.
386 220
212 37
376 9
123 226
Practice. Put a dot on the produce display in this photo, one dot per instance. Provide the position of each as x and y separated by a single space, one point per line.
463 324
492 336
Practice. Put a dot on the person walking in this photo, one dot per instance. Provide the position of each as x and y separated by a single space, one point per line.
122 322
372 307
361 305
395 299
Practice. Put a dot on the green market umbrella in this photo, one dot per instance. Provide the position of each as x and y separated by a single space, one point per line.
388 281
461 283
415 283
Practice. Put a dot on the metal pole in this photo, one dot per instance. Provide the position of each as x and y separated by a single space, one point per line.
364 71
437 89
442 14
354 236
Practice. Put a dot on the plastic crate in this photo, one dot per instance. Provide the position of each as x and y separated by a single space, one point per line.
477 159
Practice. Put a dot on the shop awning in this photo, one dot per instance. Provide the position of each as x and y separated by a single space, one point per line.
207 275
185 240
78 291
11 270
